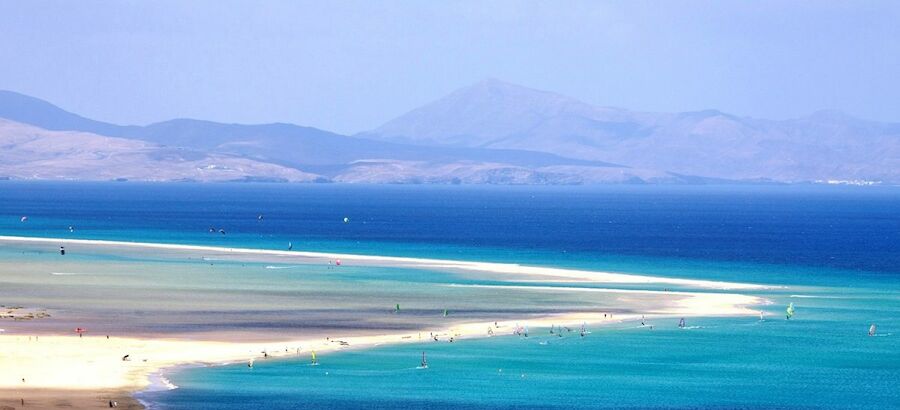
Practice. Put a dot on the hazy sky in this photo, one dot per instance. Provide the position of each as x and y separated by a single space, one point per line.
350 66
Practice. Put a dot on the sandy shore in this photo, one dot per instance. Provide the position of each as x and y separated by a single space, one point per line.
86 372
373 260
96 363
66 399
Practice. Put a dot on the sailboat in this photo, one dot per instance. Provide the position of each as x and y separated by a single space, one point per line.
424 364
790 310
872 329
313 360
681 323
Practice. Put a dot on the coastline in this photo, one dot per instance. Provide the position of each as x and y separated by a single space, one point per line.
96 362
53 367
397 261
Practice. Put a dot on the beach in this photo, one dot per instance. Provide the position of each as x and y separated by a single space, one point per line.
374 260
54 363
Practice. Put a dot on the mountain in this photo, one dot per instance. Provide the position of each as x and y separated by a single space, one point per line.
489 133
29 110
29 152
308 147
493 112
497 115
332 156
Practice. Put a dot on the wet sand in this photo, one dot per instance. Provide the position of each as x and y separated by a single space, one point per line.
66 399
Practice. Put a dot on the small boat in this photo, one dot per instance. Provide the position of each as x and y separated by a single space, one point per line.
313 360
872 329
681 323
424 364
789 313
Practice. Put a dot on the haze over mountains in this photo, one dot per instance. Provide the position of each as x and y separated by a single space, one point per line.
494 114
491 132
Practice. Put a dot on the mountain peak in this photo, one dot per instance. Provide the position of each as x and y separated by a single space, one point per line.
480 113
496 88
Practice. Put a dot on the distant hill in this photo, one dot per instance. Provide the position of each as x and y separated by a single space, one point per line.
489 133
29 110
332 156
28 152
494 114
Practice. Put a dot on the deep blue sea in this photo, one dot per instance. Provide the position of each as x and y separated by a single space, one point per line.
838 248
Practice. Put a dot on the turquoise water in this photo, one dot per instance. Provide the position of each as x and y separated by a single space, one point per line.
730 363
836 249
822 358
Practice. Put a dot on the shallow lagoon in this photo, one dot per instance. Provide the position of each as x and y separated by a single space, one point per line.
839 245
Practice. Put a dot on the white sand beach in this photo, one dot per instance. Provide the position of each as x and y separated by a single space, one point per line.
33 364
497 268
96 363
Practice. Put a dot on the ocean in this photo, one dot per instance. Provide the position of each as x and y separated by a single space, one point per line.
837 249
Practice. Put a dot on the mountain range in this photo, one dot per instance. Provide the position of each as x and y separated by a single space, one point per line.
488 133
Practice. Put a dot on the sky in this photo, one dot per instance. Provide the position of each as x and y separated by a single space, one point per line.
349 66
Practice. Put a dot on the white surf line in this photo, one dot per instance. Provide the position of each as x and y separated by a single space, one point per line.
818 297
738 298
693 303
493 267
574 289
